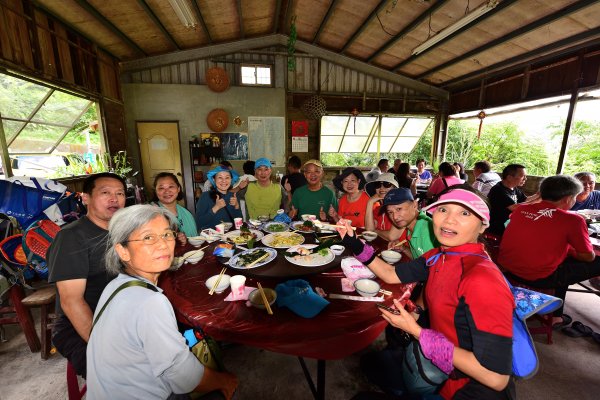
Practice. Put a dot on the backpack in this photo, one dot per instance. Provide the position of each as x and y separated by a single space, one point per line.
36 241
8 226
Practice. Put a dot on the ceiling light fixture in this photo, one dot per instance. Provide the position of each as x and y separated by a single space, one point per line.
184 12
468 18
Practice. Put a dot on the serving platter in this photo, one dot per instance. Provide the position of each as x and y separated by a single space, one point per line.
283 240
237 238
237 261
312 260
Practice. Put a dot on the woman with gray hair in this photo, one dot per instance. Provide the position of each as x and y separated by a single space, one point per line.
589 199
135 349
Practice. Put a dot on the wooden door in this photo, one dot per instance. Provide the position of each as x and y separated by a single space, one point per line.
159 150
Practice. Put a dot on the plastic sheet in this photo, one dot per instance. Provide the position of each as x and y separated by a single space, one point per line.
341 329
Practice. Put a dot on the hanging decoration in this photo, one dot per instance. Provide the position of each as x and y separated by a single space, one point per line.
217 79
238 121
354 113
217 120
314 107
291 45
481 116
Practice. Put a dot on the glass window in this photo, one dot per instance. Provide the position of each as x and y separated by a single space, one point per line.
256 75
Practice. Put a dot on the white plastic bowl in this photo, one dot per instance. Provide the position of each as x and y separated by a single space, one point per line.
223 284
192 257
176 263
337 249
391 256
369 236
196 241
367 287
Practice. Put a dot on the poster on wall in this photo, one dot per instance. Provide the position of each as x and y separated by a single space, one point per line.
266 138
300 136
235 146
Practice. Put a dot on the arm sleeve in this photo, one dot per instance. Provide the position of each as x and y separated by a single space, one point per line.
489 308
205 217
334 201
500 200
189 223
435 187
66 257
412 271
578 236
521 197
168 354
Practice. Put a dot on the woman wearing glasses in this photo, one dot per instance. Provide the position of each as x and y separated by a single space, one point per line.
167 192
135 349
374 220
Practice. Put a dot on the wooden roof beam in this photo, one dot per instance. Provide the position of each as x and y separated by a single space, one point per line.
240 18
416 22
497 9
110 26
325 20
276 16
158 24
364 25
570 9
201 19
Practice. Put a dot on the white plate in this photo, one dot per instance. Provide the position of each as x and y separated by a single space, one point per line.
296 224
267 227
315 260
234 260
235 234
269 239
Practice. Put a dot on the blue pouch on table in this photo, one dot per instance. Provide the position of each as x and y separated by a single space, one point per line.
282 217
298 296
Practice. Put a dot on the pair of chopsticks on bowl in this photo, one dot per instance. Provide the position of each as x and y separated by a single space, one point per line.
194 253
216 284
264 298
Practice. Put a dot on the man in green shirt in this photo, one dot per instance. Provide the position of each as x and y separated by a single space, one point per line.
408 223
313 198
263 197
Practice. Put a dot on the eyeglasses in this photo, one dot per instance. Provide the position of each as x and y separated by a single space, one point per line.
151 239
386 185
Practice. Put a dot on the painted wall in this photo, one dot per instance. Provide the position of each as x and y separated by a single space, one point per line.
189 105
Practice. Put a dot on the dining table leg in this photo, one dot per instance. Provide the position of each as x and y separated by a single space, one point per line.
318 391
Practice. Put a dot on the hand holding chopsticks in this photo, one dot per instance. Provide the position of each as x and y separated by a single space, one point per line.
264 298
216 284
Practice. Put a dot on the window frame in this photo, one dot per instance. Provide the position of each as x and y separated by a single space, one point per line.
255 66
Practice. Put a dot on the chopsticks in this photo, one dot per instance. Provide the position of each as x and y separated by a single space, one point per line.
319 225
326 237
399 243
216 284
195 252
257 260
385 292
264 298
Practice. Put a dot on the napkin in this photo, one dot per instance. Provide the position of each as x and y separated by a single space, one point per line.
354 269
247 291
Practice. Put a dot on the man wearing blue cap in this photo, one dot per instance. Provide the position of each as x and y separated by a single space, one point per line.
263 197
409 224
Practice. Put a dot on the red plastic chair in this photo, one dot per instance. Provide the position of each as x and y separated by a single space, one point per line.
75 393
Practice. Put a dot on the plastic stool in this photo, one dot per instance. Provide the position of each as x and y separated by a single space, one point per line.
73 390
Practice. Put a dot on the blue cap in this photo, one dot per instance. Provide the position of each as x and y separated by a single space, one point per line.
211 175
262 162
298 296
396 196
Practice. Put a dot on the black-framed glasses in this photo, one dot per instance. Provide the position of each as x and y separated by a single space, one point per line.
386 185
152 238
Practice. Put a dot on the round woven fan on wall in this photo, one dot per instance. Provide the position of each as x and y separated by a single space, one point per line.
314 107
217 79
217 120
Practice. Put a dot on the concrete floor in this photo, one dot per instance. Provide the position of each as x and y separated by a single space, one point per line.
568 368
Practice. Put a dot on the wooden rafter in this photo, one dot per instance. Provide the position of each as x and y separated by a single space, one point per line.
416 22
276 16
110 26
324 21
240 18
570 9
201 19
364 25
497 9
158 24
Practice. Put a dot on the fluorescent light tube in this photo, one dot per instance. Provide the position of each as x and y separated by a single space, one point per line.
472 16
184 12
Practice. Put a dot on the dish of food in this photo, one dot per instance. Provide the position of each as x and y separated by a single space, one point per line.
306 258
273 227
242 237
283 240
303 226
245 259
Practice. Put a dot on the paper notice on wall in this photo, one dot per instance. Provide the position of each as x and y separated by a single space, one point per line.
299 144
266 138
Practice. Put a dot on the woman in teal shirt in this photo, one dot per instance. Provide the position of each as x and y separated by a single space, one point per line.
167 191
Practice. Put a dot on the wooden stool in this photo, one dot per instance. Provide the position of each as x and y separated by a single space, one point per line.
45 298
73 390
22 317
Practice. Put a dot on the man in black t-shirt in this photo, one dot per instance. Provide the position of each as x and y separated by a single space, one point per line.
294 179
506 195
76 264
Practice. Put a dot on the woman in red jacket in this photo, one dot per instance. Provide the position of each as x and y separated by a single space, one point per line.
470 305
